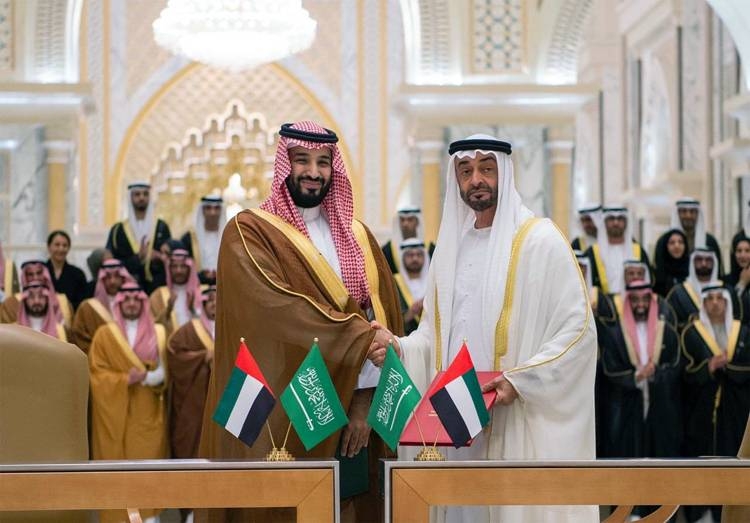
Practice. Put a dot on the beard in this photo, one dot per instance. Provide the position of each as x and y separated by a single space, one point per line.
37 311
480 205
704 272
304 199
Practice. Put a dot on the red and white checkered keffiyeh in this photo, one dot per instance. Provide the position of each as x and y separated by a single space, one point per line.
338 205
193 285
54 302
146 344
50 322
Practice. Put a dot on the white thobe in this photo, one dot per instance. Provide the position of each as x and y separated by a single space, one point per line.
550 361
209 249
140 230
111 305
181 307
131 330
720 335
614 259
416 285
466 324
320 235
641 328
36 322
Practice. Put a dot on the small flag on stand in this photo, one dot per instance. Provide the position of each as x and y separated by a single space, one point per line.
311 401
458 400
394 400
247 399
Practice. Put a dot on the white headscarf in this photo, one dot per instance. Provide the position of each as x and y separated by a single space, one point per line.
406 210
717 286
209 253
458 218
700 223
746 221
421 281
143 227
595 211
584 260
614 263
692 278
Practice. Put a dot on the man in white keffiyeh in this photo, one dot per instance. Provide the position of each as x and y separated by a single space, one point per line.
508 284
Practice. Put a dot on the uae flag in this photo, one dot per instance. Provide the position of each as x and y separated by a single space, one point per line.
458 401
247 400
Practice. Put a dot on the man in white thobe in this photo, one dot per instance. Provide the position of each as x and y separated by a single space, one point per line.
613 248
525 314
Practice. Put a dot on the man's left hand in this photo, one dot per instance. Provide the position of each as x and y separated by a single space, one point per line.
357 433
506 394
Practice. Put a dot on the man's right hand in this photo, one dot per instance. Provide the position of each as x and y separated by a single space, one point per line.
645 372
414 311
143 251
379 347
717 362
135 376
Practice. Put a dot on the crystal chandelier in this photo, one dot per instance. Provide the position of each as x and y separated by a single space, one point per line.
234 34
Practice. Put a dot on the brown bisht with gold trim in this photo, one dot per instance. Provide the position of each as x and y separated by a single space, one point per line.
277 291
127 422
189 360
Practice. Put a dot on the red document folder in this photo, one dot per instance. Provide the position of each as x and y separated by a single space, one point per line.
432 428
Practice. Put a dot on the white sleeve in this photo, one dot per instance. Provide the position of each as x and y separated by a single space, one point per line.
368 376
154 377
416 352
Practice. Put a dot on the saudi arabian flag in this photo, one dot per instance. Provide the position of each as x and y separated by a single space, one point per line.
458 402
247 399
311 401
395 399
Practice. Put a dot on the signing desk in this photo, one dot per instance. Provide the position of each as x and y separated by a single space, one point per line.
310 486
412 487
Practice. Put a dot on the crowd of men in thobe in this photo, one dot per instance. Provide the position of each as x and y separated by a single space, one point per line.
147 327
672 377
165 316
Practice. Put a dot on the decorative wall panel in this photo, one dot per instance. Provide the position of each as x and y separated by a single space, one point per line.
6 36
498 36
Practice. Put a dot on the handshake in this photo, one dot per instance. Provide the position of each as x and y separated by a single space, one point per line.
379 347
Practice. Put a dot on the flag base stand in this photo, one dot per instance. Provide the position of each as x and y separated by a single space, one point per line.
279 455
430 454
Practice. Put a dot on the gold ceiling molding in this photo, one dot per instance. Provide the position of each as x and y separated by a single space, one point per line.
186 100
233 142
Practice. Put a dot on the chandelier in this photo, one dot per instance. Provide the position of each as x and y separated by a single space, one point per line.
234 34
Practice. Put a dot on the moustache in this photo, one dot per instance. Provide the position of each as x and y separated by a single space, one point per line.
308 178
482 187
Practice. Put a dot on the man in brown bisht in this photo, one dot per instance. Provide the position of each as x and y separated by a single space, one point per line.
99 310
35 312
190 355
298 268
36 271
127 386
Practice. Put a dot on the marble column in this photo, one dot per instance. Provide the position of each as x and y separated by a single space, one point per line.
560 154
430 153
58 158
